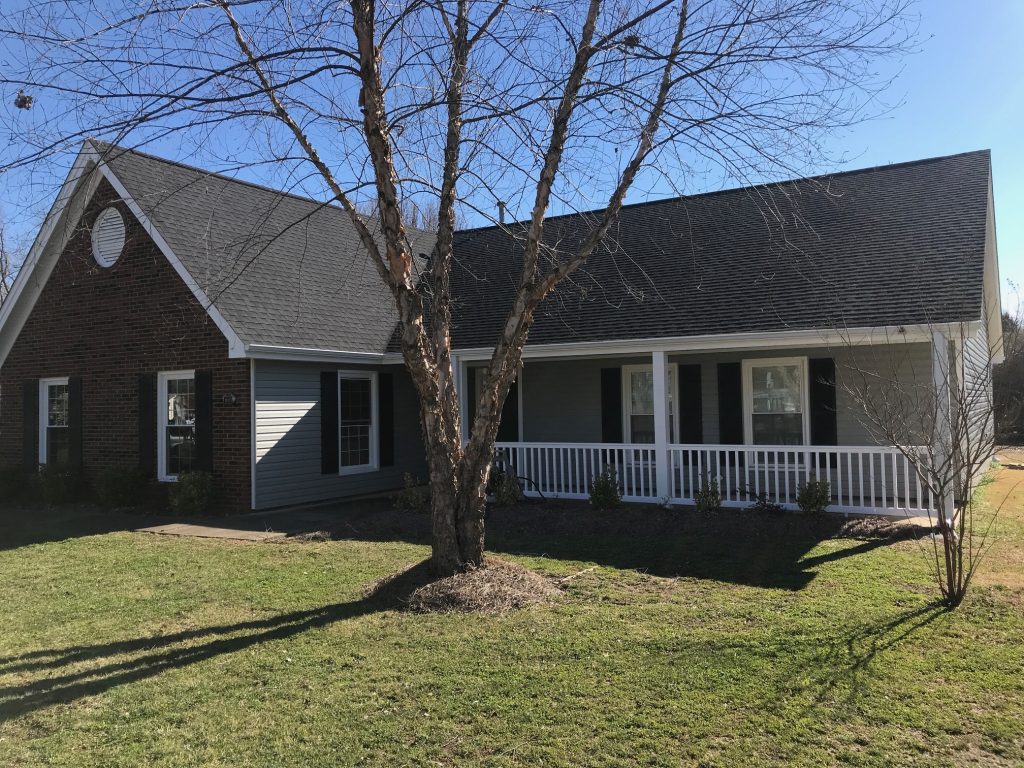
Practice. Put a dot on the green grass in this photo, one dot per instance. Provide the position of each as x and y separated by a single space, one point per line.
740 642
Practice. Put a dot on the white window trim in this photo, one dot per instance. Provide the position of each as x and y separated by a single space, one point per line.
627 401
161 421
44 407
374 464
748 393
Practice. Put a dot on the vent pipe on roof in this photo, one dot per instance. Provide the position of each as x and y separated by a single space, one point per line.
501 211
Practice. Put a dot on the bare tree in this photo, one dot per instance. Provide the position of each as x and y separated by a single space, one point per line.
940 416
556 104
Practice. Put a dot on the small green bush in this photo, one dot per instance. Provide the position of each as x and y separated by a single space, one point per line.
120 487
604 491
414 496
507 492
56 484
814 496
765 506
709 497
192 494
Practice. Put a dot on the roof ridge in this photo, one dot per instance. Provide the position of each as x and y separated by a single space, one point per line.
245 182
732 190
629 206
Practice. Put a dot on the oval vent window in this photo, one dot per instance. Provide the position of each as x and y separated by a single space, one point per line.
108 237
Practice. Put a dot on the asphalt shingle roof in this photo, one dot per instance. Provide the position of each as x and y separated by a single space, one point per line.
898 244
283 270
893 245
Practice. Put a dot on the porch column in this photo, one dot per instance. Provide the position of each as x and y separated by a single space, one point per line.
942 431
659 368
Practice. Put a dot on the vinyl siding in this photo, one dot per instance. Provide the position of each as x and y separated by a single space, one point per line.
562 398
976 396
288 437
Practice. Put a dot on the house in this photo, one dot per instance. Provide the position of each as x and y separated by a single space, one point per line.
173 319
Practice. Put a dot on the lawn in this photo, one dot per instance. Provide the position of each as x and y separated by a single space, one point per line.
680 639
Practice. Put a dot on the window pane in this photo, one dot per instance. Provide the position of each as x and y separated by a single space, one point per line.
356 418
181 395
641 392
777 388
180 431
641 429
181 449
57 450
57 405
777 428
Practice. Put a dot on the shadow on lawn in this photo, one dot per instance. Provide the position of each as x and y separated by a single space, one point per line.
149 656
735 546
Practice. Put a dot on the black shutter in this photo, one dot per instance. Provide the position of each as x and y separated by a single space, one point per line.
508 430
386 402
822 395
147 424
611 405
30 424
470 397
75 421
691 412
329 424
730 403
204 421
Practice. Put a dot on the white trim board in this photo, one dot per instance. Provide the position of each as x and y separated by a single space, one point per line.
738 342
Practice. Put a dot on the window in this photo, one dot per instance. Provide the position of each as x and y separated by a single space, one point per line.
357 420
775 397
54 444
176 423
638 405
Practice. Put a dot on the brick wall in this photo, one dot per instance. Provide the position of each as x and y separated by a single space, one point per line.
110 325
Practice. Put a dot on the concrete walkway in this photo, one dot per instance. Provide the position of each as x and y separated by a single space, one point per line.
208 531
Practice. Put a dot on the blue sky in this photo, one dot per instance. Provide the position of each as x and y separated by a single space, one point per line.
964 90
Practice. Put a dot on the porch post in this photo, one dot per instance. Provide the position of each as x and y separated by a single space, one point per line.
659 368
459 372
942 437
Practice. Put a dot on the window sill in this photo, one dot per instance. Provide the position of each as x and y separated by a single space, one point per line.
360 470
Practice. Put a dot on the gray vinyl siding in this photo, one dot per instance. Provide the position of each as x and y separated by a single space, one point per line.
562 398
287 400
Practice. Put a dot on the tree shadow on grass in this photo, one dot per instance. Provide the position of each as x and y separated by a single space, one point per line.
848 661
734 546
149 656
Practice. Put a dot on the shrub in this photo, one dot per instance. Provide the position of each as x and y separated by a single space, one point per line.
16 485
414 496
765 506
709 497
192 494
56 484
121 487
814 496
506 489
604 491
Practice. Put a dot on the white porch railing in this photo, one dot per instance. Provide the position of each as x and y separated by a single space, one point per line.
862 479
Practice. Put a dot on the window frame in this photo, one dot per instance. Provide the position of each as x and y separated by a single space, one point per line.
44 410
627 400
748 393
374 464
161 421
